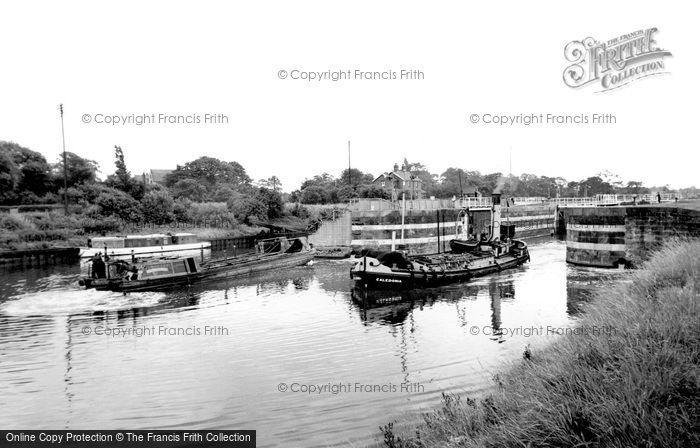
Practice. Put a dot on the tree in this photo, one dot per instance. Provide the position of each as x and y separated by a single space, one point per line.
354 178
595 185
113 202
248 209
189 189
636 187
373 191
272 183
122 174
314 194
273 202
158 207
222 194
210 173
122 179
9 178
24 174
80 170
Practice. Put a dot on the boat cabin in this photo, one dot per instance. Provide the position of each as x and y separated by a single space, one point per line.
164 267
282 244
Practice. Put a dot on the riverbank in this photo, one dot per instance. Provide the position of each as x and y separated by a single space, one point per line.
635 384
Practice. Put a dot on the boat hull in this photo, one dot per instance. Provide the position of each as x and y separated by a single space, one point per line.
411 279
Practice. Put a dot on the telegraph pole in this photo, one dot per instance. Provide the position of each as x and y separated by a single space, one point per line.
461 192
65 163
349 168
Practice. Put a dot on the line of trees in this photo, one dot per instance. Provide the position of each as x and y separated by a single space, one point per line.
27 178
325 188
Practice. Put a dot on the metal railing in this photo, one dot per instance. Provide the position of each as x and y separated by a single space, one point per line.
614 199
474 202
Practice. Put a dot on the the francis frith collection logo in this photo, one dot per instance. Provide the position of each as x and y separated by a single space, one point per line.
615 63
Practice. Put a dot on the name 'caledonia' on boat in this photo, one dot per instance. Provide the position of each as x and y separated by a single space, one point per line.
470 256
150 245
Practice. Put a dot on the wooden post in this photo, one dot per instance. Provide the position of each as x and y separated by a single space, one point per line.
438 231
443 232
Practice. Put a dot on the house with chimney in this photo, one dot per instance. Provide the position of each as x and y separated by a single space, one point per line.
400 181
151 177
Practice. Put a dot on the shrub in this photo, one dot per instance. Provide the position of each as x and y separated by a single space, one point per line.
223 193
300 211
314 195
158 207
117 203
373 191
13 222
110 224
248 209
273 202
181 209
189 189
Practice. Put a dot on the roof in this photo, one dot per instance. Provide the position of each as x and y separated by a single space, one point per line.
159 175
400 174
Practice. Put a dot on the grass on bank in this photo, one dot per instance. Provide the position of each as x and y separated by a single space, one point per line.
637 386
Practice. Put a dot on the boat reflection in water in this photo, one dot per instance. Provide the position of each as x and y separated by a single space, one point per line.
395 307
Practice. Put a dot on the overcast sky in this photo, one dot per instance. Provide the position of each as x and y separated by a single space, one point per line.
177 58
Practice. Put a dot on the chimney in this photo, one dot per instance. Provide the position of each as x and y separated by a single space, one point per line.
495 216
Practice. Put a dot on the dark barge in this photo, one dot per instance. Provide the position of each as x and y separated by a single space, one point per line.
470 257
172 272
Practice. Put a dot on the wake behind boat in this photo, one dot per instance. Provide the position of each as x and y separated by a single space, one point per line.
170 272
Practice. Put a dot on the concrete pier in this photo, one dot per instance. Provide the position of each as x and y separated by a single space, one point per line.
625 235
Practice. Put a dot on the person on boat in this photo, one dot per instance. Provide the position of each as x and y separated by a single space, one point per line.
99 269
130 273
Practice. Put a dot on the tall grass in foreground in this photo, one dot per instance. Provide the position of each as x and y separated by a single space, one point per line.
637 386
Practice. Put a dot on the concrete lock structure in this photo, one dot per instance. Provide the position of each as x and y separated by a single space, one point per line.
623 236
596 239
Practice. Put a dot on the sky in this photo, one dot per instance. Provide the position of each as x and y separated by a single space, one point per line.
188 59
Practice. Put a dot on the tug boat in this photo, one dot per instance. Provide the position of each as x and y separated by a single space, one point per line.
154 274
469 257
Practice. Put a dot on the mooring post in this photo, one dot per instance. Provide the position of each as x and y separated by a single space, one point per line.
201 253
438 231
443 232
234 251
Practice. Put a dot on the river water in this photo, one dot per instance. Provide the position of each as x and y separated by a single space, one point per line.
296 355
